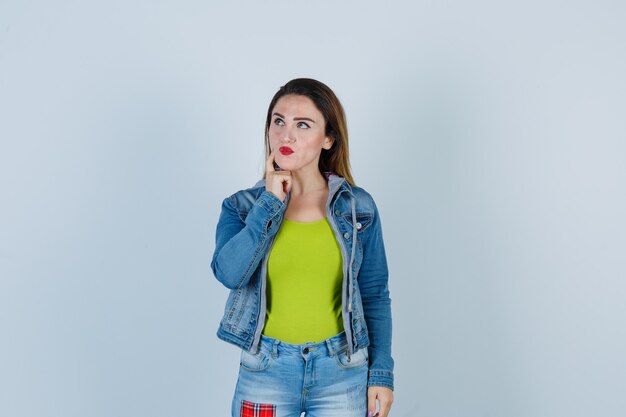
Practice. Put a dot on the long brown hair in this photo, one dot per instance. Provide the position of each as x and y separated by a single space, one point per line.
336 159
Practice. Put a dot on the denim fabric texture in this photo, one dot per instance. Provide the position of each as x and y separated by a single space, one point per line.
316 378
248 223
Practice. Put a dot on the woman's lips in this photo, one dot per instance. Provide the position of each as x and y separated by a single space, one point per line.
285 150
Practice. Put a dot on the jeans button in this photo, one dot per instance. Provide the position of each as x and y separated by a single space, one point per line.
305 350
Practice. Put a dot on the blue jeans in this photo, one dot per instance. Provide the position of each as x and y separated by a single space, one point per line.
318 379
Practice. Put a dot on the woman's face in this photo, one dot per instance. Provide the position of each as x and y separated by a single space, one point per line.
297 133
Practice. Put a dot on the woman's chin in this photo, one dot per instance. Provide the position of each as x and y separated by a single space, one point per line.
286 165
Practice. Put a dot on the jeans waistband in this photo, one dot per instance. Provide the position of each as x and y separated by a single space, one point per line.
330 346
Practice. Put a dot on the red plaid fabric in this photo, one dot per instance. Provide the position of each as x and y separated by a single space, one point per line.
249 409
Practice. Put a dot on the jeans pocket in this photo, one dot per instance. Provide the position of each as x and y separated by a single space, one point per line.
356 360
255 362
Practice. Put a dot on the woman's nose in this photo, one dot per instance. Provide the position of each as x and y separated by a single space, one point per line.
288 136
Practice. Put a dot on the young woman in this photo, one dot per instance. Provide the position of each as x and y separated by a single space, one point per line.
302 252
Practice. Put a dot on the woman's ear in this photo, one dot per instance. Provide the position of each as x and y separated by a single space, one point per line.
328 142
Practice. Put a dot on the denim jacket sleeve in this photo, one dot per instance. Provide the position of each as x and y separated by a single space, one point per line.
241 243
373 285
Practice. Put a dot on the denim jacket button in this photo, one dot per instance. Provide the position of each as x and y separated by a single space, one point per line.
337 213
346 235
358 226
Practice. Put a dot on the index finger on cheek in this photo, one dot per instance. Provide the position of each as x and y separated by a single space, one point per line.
269 163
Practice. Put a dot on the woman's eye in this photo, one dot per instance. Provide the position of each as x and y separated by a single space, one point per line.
279 122
303 125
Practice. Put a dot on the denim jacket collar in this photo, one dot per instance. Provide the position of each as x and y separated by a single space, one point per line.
335 183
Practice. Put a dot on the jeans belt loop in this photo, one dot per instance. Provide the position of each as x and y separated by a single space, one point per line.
329 346
275 349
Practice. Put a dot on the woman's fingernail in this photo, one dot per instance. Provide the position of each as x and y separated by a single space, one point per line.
370 413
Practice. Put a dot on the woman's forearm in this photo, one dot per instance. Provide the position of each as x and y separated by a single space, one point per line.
241 244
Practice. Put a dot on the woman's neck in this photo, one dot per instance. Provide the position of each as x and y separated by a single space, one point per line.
304 184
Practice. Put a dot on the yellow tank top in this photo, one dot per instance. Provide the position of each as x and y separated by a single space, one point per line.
304 278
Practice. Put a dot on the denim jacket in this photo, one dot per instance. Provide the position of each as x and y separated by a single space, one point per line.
246 229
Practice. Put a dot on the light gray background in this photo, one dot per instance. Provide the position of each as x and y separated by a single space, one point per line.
491 134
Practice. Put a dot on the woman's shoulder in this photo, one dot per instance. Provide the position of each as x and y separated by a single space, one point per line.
362 196
247 196
363 199
361 193
356 191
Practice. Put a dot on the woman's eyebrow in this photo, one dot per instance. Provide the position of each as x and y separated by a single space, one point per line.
297 119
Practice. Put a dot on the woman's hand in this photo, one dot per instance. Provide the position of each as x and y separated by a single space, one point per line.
276 182
384 396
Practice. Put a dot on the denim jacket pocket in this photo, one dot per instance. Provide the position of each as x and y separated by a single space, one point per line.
237 318
363 220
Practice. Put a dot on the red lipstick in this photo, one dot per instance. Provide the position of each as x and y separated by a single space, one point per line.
285 150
